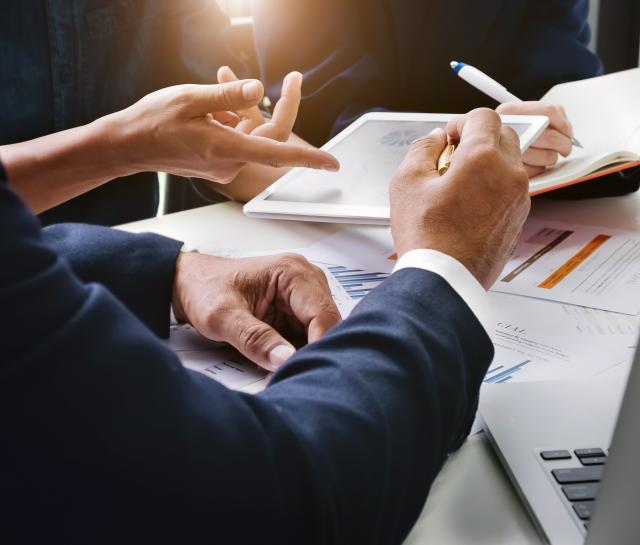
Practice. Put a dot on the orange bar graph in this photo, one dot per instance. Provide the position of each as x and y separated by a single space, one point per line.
572 264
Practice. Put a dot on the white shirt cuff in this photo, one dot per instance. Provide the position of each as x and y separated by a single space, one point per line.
457 276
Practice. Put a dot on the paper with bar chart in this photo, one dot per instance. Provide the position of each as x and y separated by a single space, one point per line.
528 348
370 248
214 360
592 267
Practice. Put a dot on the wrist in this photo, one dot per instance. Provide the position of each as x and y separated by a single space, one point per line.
471 263
121 147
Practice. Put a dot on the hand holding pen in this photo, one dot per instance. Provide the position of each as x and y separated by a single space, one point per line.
556 140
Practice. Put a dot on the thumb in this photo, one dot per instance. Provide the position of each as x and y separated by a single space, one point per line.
230 96
424 152
258 341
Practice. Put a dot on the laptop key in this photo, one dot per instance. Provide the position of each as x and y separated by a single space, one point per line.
581 492
578 474
584 509
589 452
555 455
594 461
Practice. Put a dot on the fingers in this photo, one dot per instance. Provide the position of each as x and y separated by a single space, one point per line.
536 157
310 301
285 111
557 115
229 119
481 125
534 171
237 95
510 145
257 340
552 139
252 116
422 158
264 151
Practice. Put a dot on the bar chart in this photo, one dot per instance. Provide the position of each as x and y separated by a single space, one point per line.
356 282
500 374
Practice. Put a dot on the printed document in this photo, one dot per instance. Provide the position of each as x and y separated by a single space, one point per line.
593 267
541 340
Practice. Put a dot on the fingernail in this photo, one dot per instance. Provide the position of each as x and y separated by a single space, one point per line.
331 167
251 90
281 354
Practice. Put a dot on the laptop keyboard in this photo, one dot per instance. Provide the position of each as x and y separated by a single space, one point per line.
580 479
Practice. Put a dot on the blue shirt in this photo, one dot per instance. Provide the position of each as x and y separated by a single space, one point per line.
65 63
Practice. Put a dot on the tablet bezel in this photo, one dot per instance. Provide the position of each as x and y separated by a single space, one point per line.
261 207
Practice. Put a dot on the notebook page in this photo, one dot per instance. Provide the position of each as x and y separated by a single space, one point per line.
605 113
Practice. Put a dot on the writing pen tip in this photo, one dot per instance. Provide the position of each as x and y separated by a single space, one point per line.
576 143
453 64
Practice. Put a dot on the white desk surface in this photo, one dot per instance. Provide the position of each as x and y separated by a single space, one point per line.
471 501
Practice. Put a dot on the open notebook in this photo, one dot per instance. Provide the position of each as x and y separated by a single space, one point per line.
605 113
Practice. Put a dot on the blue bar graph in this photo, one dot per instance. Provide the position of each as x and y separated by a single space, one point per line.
356 282
499 375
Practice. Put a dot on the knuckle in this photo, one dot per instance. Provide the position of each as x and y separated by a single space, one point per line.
483 155
292 260
484 112
225 96
550 157
509 133
421 144
254 337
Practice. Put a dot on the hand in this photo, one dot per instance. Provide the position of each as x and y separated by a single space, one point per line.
554 141
194 130
475 212
279 127
263 306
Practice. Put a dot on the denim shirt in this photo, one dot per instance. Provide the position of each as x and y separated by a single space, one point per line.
65 63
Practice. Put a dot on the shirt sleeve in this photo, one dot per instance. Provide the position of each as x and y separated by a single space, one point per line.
457 276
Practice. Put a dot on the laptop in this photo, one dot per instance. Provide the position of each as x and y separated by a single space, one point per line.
572 450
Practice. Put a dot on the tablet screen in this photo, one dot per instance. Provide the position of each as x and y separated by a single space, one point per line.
369 157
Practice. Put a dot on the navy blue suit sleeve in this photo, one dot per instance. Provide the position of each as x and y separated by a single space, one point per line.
552 48
138 269
106 435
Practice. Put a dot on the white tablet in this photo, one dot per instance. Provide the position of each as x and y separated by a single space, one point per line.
369 151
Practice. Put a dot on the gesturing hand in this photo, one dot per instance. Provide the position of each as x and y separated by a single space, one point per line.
474 212
199 131
279 127
262 306
554 141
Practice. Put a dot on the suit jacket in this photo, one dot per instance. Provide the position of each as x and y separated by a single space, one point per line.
106 438
360 55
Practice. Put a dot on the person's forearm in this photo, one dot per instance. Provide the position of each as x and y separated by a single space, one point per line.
52 169
384 398
138 268
254 179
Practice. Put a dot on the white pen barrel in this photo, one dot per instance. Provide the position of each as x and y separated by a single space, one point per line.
487 85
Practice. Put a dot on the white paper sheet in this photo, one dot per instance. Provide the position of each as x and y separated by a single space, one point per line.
214 360
594 267
368 248
539 340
